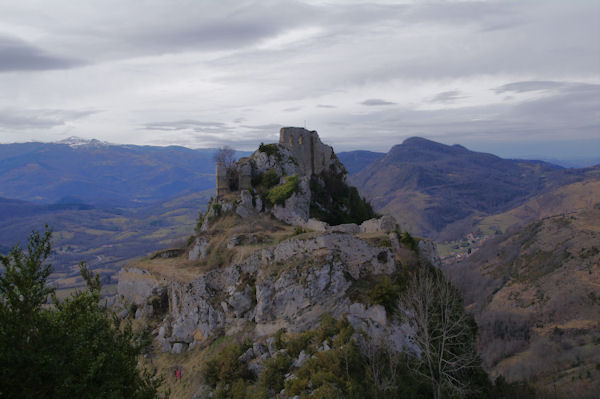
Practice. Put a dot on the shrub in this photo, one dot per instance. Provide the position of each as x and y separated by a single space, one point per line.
278 194
408 240
270 150
297 343
385 293
225 367
328 328
273 377
334 202
269 179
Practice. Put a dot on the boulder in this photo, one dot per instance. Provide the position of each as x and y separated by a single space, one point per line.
370 226
316 225
136 285
177 348
198 250
387 224
384 224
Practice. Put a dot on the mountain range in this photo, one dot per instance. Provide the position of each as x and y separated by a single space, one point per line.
98 173
440 191
137 199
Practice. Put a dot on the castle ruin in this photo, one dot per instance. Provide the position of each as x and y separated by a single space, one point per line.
305 145
312 155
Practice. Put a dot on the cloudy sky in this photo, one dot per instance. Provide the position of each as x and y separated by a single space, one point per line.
517 78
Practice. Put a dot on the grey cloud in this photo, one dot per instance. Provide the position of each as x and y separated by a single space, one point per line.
201 26
292 109
17 55
487 15
239 139
374 102
525 86
470 45
271 126
187 124
238 142
38 118
571 112
326 106
447 97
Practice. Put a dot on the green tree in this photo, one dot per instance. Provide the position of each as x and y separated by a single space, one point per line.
75 348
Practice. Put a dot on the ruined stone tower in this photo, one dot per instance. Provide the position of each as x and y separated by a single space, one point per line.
245 174
312 155
222 181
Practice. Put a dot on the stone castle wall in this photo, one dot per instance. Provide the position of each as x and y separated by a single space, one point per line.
312 155
222 181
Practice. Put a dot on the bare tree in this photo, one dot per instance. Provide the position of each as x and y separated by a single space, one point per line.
225 155
443 332
383 363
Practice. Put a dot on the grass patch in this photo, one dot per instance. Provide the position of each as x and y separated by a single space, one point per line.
278 194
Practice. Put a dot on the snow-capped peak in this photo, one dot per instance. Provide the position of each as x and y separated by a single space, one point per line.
75 141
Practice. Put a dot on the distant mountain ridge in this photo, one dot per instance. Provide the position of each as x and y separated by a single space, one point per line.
429 186
101 173
355 161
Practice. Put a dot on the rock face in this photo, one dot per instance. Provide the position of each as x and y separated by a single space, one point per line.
137 286
296 209
429 253
198 249
289 285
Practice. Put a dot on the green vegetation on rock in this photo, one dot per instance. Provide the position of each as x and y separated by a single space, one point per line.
270 150
278 194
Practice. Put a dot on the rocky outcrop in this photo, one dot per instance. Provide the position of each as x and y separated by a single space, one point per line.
289 285
296 209
428 252
198 249
385 224
137 286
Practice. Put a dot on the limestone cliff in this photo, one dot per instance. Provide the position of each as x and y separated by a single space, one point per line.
260 264
284 286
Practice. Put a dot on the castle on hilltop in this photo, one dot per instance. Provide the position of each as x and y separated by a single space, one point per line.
305 146
312 155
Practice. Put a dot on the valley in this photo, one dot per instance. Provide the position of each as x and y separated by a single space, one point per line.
518 238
